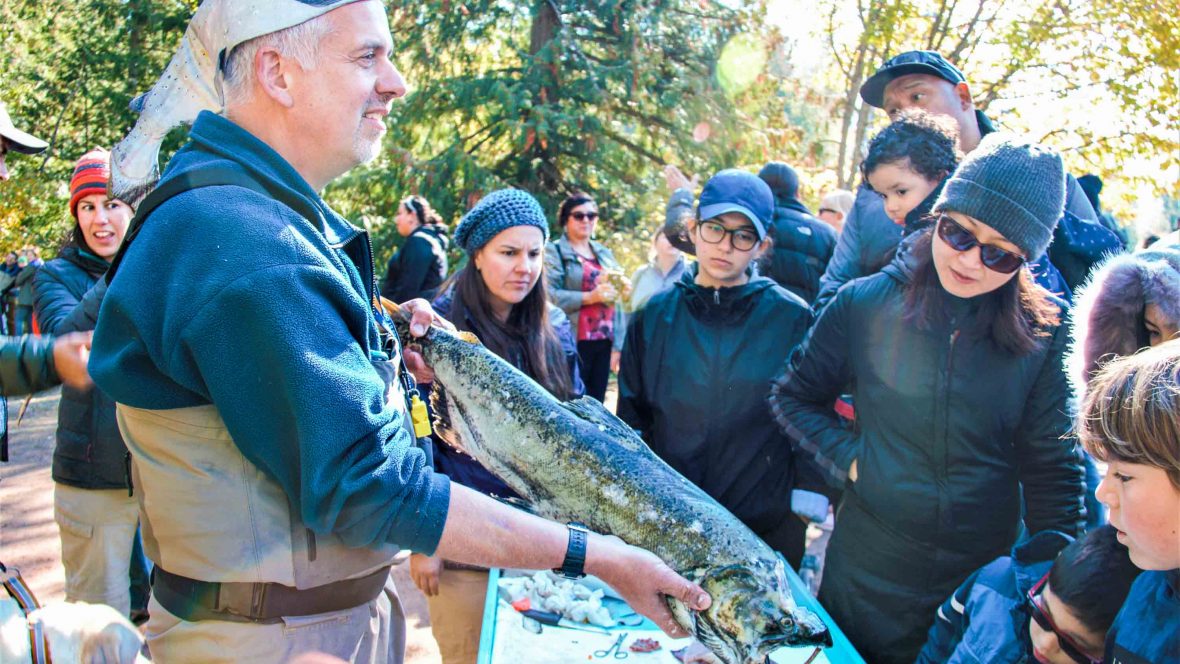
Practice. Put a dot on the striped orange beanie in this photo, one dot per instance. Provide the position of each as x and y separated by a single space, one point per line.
90 177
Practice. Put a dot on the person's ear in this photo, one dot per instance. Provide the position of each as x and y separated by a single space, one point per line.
477 259
963 92
764 246
271 72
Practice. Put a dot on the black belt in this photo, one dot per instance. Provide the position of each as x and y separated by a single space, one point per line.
192 600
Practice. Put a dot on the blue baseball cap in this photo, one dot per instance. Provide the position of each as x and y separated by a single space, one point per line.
904 64
734 190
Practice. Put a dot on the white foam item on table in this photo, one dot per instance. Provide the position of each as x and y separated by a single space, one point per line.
555 645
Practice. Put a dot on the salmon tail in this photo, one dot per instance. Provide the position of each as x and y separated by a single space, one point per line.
392 308
399 313
186 88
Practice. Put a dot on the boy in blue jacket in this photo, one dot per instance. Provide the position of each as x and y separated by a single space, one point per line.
1130 418
1036 604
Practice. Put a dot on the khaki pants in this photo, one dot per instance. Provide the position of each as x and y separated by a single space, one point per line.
373 633
97 532
456 614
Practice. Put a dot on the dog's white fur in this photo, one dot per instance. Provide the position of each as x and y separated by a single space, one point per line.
78 633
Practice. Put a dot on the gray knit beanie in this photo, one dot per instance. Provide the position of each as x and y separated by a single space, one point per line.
1013 185
497 211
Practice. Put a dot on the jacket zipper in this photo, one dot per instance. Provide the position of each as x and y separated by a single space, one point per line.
946 408
127 472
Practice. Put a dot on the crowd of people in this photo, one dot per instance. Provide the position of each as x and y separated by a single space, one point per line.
940 360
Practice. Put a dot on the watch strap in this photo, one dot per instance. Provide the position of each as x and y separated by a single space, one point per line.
573 567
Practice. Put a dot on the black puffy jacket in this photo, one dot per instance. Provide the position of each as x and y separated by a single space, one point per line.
90 453
803 245
950 431
419 267
694 377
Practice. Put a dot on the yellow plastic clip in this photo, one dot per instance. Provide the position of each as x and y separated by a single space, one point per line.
419 416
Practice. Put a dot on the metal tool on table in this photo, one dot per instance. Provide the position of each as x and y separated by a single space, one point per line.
616 648
539 618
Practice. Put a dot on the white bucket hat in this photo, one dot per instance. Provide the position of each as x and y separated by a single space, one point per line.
18 141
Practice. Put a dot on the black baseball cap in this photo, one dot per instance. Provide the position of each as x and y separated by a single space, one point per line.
904 64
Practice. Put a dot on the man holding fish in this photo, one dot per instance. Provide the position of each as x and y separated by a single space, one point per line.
262 400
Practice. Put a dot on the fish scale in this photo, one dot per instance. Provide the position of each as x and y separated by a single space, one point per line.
576 461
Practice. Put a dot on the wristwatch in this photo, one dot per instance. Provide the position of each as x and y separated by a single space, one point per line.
573 567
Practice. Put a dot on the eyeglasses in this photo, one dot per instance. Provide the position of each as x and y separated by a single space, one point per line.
742 239
823 210
1070 647
584 216
961 239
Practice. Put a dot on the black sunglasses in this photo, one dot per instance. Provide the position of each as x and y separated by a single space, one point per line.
823 210
961 239
1036 603
582 216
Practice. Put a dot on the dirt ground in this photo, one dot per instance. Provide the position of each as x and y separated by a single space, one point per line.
29 537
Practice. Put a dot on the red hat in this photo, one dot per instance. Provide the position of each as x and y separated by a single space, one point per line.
91 174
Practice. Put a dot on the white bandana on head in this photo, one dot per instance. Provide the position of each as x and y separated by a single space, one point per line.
192 81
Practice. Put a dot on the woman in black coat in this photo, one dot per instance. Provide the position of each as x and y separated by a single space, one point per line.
94 505
420 266
956 358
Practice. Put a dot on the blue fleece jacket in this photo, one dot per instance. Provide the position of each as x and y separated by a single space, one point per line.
1147 629
263 308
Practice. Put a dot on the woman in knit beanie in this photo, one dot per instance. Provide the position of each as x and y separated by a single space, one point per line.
500 297
962 430
93 502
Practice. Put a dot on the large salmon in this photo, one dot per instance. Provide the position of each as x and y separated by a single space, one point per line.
576 461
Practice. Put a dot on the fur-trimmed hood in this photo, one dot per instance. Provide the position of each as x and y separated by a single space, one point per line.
1107 319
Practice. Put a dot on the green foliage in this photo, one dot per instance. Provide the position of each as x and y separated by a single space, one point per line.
555 95
68 69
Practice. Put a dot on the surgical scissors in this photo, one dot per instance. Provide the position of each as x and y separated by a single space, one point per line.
617 647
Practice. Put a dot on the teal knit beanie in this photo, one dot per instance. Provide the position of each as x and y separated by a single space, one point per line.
1013 185
499 210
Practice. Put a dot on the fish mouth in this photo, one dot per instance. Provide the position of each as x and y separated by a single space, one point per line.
810 630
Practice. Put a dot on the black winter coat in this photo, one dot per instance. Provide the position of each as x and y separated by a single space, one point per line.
419 267
950 430
90 453
693 380
803 245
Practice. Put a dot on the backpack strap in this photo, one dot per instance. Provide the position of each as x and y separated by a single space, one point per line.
206 177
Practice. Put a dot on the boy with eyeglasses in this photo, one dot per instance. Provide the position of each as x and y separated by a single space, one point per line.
1036 604
698 362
